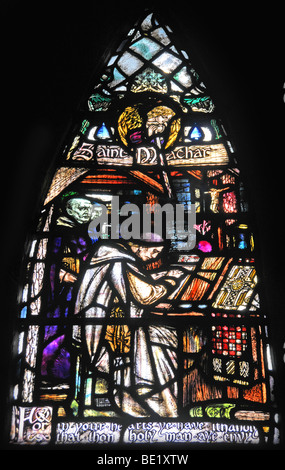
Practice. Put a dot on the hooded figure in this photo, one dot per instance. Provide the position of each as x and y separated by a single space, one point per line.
135 360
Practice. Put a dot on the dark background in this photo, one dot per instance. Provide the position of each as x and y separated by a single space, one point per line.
49 55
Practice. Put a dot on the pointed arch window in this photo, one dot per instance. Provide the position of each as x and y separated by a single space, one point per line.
127 335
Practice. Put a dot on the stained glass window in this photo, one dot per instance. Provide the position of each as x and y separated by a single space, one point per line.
136 327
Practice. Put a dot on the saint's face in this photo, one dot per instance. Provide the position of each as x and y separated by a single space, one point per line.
147 253
80 210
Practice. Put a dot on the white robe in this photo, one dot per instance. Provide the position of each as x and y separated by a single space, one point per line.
144 380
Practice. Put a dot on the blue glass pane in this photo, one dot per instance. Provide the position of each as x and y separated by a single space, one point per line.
195 133
146 48
103 132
